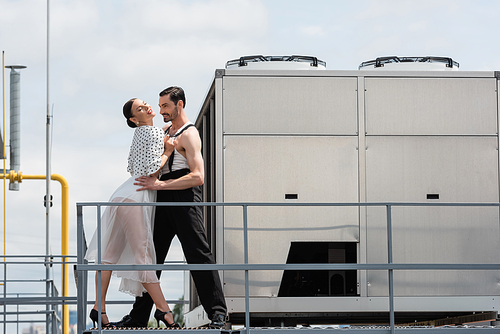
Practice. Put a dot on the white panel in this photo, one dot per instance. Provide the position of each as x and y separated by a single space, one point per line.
264 169
406 169
372 304
438 106
459 169
290 105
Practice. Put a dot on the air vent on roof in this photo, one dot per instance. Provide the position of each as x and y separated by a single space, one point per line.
276 63
411 63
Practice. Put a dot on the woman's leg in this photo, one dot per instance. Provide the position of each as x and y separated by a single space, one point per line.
105 278
110 254
156 294
137 233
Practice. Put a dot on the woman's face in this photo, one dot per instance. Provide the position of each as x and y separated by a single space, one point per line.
142 113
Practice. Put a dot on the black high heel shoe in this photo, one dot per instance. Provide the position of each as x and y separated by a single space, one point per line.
94 317
160 316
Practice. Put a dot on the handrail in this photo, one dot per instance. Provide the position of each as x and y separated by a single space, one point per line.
52 298
19 176
390 266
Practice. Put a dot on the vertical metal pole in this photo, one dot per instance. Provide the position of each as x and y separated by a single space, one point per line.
391 273
98 273
4 197
47 175
53 313
81 282
63 305
4 157
17 316
247 290
5 296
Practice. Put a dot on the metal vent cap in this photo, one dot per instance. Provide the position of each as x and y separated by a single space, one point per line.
276 62
411 63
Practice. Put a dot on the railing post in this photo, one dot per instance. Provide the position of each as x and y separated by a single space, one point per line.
5 295
247 289
391 273
81 276
54 319
99 272
63 305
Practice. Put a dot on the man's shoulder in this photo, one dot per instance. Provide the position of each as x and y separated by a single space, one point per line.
190 133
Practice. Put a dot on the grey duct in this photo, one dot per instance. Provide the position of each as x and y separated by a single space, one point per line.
15 121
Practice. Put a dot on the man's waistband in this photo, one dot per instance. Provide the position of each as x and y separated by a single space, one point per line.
175 174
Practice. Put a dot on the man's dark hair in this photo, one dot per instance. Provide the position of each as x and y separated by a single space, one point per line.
176 94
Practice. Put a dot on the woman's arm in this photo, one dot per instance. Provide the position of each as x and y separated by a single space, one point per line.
189 143
169 145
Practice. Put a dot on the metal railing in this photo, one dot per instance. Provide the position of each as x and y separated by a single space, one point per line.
31 302
37 308
83 267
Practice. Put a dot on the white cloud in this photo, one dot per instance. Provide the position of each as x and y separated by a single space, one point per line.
313 31
417 26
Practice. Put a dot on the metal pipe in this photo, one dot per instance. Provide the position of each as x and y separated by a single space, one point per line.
48 172
15 121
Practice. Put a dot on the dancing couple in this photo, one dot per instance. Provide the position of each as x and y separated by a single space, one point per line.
165 166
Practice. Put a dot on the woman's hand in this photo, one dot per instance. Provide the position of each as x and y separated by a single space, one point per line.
156 174
170 144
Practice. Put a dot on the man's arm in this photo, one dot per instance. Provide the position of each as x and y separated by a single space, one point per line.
190 144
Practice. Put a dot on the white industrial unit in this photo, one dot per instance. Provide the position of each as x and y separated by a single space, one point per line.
309 135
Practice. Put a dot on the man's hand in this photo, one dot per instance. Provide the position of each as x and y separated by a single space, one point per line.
147 182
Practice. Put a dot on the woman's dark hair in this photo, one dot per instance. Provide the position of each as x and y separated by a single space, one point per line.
127 112
176 94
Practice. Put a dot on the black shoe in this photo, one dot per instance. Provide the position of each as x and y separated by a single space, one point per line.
160 316
94 316
127 321
218 320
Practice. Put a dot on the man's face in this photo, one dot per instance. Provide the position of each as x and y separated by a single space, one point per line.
168 109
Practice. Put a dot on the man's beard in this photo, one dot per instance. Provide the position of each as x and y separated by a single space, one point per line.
172 116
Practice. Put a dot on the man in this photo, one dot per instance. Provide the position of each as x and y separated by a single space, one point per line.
181 179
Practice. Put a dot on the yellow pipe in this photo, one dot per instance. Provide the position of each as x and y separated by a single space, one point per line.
13 176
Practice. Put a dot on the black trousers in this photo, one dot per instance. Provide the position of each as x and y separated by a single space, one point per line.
187 224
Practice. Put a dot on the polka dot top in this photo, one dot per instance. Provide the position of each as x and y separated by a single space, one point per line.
146 150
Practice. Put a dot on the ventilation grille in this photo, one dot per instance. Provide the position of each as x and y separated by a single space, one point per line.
417 62
267 62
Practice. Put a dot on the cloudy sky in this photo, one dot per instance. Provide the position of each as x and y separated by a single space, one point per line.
103 52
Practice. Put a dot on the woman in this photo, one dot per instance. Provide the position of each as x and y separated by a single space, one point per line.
126 231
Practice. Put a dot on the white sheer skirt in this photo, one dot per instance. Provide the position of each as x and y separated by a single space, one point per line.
127 237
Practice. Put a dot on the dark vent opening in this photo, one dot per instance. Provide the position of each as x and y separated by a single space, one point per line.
316 283
432 196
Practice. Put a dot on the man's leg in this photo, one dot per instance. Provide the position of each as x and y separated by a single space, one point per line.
191 233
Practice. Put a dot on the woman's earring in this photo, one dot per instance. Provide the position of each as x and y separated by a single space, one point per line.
137 123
